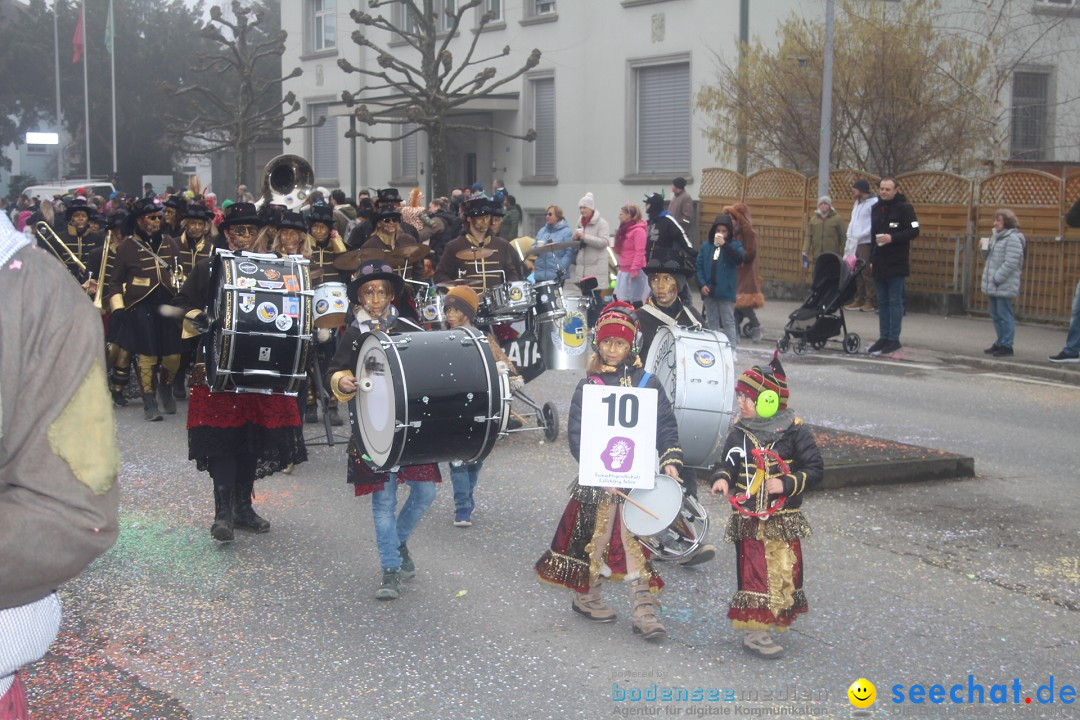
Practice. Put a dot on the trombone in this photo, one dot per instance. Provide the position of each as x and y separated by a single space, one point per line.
53 241
102 269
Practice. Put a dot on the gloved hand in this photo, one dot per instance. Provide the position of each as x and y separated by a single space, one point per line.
502 367
200 321
516 383
323 334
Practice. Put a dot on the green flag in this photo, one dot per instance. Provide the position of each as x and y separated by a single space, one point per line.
109 30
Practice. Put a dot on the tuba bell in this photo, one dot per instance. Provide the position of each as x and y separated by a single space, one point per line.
287 180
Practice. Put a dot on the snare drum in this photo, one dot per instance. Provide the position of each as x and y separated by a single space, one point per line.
429 303
564 341
679 527
428 397
549 301
331 305
509 300
260 323
697 371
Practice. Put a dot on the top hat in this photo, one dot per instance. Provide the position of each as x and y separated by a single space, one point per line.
243 213
321 214
477 207
290 220
198 211
658 264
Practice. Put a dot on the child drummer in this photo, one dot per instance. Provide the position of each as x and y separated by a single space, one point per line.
375 285
770 459
591 543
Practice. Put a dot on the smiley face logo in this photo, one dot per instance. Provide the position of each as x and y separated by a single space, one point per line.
862 693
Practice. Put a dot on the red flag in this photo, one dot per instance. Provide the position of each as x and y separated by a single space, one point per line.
78 42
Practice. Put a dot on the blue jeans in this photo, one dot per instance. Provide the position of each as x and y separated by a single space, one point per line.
1004 321
464 477
720 316
1072 340
391 529
890 296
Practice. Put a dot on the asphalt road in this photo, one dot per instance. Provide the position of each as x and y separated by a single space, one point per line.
921 583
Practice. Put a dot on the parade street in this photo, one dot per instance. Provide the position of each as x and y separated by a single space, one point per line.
923 583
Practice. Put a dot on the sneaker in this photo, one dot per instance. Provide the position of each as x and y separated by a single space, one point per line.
760 643
868 307
875 349
704 554
1064 357
408 567
890 347
990 350
1003 352
853 306
463 518
390 589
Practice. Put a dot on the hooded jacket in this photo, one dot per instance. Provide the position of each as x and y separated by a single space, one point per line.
897 218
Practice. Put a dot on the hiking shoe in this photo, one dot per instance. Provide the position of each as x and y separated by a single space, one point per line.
875 349
704 554
758 642
591 606
1064 357
463 518
990 350
408 567
390 589
1003 352
335 419
311 414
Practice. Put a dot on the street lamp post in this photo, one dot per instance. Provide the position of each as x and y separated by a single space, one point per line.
825 144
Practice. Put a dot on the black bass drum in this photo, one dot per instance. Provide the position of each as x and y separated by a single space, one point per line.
428 397
260 323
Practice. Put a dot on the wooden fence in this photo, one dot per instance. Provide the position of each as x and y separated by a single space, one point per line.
954 212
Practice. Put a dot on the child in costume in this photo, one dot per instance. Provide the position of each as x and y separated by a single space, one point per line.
591 542
769 459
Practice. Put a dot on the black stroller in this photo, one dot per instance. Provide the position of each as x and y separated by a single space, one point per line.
821 316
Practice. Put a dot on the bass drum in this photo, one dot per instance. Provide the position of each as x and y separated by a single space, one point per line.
697 371
680 524
564 342
260 323
428 397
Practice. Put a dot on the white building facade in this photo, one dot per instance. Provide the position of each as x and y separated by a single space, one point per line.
611 100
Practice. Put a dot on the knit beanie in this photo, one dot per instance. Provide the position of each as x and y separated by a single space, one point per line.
587 202
757 379
463 298
617 319
825 199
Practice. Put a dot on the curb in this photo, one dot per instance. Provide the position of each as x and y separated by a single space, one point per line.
863 474
1055 373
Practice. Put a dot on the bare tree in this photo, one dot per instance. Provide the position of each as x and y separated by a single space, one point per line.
420 84
248 106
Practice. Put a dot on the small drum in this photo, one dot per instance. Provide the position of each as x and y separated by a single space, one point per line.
549 301
698 373
680 524
429 303
564 341
428 397
509 301
331 305
260 323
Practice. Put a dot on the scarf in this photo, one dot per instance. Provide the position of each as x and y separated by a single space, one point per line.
768 430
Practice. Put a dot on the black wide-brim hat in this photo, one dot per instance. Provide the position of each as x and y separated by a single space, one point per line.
241 214
198 211
374 270
175 201
478 207
143 206
321 214
117 220
290 220
659 266
387 213
389 195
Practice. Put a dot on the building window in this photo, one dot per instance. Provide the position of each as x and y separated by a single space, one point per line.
540 154
534 8
37 149
661 113
404 20
1030 115
324 143
449 8
323 24
495 8
406 166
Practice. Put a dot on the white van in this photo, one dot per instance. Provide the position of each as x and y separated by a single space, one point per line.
64 187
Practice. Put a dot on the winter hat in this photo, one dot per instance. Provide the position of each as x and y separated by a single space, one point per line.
861 185
477 187
463 298
757 379
825 199
587 201
617 319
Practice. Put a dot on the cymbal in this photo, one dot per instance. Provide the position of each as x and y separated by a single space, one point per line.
473 282
412 253
550 247
351 260
476 253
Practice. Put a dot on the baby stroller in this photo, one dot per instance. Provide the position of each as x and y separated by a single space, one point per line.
821 316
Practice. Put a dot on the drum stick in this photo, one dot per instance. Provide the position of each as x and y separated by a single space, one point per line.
635 503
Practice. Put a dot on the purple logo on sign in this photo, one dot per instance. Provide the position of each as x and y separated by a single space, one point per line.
618 456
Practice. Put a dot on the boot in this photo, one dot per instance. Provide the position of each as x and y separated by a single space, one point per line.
390 589
591 605
222 529
244 516
408 567
168 402
311 414
150 408
118 380
335 419
179 386
645 613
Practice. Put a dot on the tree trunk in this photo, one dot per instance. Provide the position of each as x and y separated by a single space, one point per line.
440 161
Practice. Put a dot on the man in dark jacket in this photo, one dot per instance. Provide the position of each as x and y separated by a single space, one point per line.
1071 352
893 226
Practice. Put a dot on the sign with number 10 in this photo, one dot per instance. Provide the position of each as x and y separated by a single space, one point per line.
618 437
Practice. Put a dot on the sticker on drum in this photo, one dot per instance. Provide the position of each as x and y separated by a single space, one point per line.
516 293
704 358
268 285
247 302
571 332
339 304
267 312
271 274
245 282
291 283
248 268
322 306
290 306
283 323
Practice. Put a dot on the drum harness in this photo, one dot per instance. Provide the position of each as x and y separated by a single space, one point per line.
162 265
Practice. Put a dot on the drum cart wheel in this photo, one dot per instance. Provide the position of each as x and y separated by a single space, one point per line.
783 344
549 416
800 347
852 343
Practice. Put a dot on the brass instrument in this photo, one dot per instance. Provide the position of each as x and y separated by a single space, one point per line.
53 241
287 180
100 291
178 274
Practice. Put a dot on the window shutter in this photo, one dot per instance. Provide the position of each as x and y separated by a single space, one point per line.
663 105
324 143
544 124
407 154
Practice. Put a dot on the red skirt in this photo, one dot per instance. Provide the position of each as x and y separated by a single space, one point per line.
770 576
13 705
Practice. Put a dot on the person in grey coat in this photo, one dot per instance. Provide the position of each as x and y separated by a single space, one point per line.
1004 257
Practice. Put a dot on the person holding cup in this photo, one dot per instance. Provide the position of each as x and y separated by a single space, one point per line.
717 276
893 225
1004 255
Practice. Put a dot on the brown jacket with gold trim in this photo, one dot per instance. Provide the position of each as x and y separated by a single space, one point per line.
322 262
137 272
